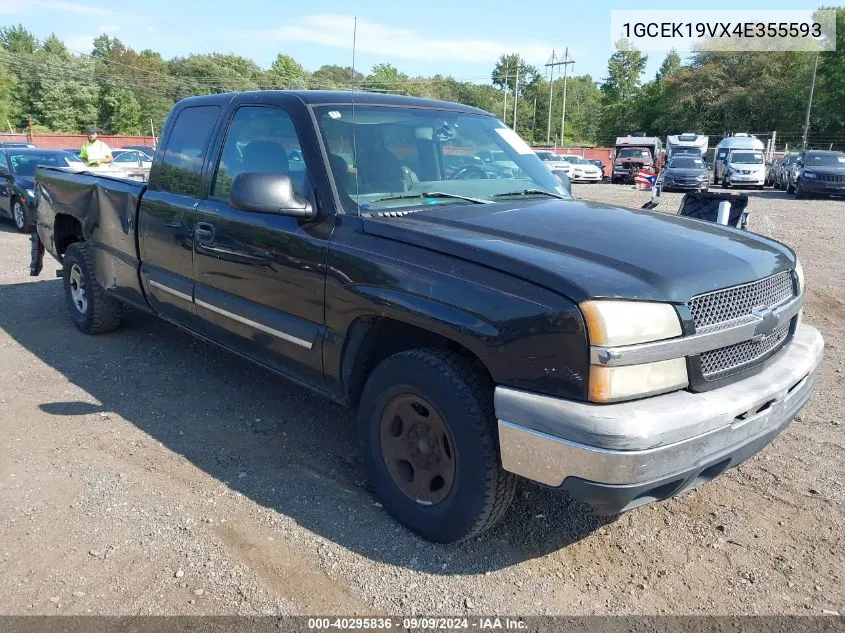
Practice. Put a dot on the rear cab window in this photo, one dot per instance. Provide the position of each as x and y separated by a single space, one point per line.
181 165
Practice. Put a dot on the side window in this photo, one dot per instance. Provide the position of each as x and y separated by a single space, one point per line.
260 139
181 164
722 154
4 165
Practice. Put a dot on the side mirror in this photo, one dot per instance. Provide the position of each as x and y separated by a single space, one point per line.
564 180
268 193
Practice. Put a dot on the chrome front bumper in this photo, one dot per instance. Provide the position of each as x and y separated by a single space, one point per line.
666 443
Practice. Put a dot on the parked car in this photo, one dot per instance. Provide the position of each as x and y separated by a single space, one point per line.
772 172
740 141
581 170
785 170
818 172
744 168
623 356
554 161
15 144
149 150
598 164
17 180
128 158
686 172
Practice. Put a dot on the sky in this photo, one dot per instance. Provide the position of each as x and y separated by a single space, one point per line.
462 39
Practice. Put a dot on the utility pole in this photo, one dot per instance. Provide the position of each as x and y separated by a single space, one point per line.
553 63
566 61
534 121
515 96
507 76
29 128
551 66
809 105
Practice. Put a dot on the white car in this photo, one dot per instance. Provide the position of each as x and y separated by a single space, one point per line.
582 169
131 159
127 163
554 161
745 168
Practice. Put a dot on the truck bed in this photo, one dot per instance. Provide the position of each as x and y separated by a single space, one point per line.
105 208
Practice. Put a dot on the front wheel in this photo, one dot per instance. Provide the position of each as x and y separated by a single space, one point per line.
22 222
90 308
430 444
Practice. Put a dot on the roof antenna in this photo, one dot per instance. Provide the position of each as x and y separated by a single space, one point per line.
354 144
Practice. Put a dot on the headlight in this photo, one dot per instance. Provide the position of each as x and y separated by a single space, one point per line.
611 384
704 177
611 323
30 193
811 175
614 323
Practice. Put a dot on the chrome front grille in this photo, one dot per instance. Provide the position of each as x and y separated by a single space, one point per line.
736 302
832 177
721 363
716 310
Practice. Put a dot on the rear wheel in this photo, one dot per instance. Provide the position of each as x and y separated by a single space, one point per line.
19 216
89 307
430 445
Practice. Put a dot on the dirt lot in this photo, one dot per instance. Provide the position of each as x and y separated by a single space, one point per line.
145 472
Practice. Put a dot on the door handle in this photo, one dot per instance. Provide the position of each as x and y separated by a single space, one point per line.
204 233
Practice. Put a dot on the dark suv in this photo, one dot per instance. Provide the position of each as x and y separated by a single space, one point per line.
818 172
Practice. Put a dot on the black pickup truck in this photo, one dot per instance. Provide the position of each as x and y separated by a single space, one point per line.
484 323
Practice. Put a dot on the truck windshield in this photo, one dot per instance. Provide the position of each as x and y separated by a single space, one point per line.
385 151
633 153
747 158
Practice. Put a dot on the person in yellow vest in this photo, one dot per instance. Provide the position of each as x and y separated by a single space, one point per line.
95 152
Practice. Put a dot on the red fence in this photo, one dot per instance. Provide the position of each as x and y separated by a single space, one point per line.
73 141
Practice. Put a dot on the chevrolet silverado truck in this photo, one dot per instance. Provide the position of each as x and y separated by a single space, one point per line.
485 325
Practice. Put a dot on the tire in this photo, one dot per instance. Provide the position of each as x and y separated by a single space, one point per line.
92 310
19 216
789 187
441 387
726 184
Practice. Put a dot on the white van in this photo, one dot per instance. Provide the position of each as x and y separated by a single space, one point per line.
745 167
738 141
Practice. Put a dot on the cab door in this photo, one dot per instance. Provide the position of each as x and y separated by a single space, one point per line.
260 277
168 212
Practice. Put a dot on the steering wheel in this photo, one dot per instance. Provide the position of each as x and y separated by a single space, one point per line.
464 173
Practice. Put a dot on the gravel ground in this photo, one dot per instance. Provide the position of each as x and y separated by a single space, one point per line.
144 472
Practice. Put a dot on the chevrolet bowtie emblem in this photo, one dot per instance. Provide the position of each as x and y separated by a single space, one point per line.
767 324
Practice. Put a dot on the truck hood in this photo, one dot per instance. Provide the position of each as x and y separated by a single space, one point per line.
585 249
827 170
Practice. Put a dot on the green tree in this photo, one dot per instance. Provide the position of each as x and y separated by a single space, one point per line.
333 77
387 78
120 112
286 72
7 91
828 113
18 40
620 90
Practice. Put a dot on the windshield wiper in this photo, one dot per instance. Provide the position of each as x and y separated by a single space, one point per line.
529 192
428 194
